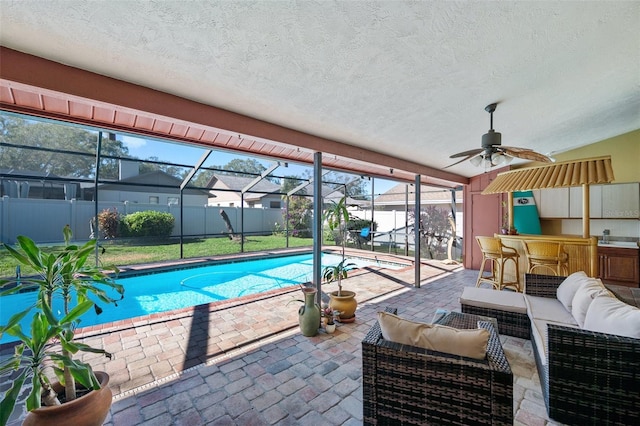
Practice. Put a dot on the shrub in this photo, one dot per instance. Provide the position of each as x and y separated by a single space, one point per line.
148 223
109 221
299 216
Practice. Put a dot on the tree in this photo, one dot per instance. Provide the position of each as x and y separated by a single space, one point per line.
240 167
201 179
290 182
153 163
299 215
338 181
435 230
300 208
58 149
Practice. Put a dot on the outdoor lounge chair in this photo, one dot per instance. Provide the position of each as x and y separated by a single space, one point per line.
404 384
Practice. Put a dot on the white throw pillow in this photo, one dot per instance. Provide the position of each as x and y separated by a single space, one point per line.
606 314
470 343
583 298
567 289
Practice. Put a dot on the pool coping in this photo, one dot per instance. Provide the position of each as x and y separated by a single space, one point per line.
166 316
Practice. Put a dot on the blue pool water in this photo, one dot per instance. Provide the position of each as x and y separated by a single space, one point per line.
167 291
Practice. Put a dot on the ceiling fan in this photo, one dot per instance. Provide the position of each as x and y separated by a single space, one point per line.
493 153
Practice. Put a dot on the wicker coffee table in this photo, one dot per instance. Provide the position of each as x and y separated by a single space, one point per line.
463 321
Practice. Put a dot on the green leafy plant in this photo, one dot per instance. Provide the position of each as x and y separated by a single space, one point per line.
336 217
298 216
109 221
64 276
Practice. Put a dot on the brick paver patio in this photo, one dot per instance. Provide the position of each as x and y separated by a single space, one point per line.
246 362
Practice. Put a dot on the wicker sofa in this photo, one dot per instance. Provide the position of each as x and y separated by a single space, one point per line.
406 385
587 377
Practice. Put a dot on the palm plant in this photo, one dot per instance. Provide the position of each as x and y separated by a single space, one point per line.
337 217
68 277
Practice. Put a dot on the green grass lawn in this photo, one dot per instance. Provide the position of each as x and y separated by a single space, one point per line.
122 252
131 252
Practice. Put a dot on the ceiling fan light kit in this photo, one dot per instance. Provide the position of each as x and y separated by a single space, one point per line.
493 153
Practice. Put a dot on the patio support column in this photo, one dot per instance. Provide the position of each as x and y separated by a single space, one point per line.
406 220
181 221
372 231
286 220
416 231
96 230
317 224
242 222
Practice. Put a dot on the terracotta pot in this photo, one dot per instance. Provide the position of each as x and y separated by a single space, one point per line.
88 410
346 304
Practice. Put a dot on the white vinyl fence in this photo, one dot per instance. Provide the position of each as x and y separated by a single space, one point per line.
43 220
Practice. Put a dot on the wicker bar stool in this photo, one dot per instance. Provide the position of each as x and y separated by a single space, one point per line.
546 256
498 255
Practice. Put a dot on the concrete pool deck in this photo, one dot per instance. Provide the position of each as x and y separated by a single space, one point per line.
247 363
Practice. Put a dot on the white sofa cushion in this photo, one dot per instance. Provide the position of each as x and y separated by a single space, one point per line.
567 289
493 299
607 314
469 343
548 309
583 298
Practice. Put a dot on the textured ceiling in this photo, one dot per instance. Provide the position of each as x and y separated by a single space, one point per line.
409 79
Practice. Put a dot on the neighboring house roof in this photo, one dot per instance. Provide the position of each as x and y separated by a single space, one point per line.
397 195
237 183
156 181
27 174
330 194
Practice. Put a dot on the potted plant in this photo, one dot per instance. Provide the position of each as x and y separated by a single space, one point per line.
506 229
343 301
331 317
49 349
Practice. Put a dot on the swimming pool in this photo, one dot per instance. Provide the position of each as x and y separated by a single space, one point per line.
167 291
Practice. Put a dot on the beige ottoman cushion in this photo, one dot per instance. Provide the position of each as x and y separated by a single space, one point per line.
493 299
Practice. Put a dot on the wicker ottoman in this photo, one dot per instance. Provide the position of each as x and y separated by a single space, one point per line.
507 307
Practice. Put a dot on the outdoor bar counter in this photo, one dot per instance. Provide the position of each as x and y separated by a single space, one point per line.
582 253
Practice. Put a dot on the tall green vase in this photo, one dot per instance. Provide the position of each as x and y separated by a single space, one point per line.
309 313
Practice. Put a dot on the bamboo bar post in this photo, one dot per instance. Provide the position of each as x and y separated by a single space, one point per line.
586 214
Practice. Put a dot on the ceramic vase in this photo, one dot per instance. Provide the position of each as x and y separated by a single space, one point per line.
309 313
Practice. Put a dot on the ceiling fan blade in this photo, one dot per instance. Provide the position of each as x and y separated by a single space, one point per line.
464 159
526 154
467 154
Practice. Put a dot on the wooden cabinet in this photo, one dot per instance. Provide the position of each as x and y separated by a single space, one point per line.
620 266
